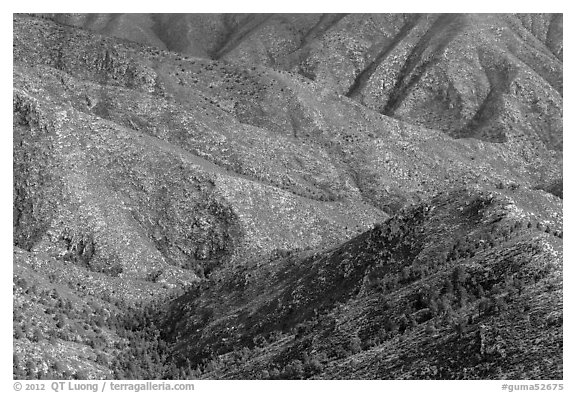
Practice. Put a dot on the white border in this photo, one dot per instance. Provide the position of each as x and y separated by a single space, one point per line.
294 6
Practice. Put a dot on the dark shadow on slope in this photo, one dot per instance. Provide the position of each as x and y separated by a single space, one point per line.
554 187
386 48
500 75
446 26
281 295
237 34
326 22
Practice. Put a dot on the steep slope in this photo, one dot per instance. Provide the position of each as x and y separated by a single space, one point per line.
211 182
152 173
272 101
431 293
295 144
471 75
71 322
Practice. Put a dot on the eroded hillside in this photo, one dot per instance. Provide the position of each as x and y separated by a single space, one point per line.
471 75
298 179
430 293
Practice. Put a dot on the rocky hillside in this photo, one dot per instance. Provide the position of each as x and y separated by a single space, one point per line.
464 286
278 182
485 76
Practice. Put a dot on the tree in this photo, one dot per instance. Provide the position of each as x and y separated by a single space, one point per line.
82 375
294 370
463 296
448 287
403 323
101 359
484 306
18 332
37 336
433 306
274 373
459 275
313 365
17 371
445 305
59 367
480 291
355 343
430 329
459 326
412 321
61 318
30 369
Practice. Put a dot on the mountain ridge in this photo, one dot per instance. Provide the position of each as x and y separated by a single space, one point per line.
238 198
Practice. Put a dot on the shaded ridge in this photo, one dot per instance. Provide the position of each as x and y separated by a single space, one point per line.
447 26
383 51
